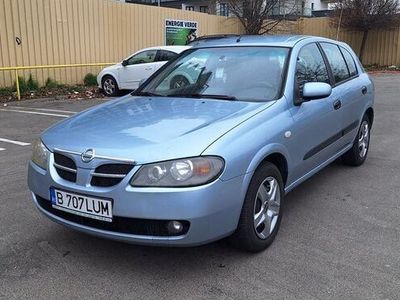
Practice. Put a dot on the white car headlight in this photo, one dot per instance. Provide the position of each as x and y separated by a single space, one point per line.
40 154
179 173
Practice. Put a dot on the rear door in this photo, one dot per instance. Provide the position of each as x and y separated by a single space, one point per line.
347 89
317 122
360 88
162 57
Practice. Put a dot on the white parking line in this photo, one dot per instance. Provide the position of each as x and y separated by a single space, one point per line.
35 113
42 109
2 149
14 142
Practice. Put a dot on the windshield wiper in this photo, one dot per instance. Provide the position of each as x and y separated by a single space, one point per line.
147 94
211 96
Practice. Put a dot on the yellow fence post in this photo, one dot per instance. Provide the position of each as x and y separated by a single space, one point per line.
17 85
16 69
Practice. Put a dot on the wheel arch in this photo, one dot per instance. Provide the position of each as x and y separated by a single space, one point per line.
110 74
280 161
276 154
370 113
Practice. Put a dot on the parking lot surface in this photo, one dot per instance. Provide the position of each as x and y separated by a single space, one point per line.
339 238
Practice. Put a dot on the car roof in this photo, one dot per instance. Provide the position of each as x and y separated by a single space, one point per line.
254 40
176 49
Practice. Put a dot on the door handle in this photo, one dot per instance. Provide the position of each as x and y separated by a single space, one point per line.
364 90
148 68
337 104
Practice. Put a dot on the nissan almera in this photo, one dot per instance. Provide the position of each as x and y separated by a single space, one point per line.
213 156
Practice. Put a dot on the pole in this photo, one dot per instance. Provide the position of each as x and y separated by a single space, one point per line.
17 85
340 21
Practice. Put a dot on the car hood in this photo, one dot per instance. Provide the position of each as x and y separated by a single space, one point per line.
149 129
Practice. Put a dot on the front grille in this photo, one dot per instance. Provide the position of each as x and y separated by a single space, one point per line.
110 174
119 224
65 167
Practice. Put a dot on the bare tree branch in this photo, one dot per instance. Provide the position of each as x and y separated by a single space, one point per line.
257 16
365 15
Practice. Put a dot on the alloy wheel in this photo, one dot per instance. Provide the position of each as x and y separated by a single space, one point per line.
266 207
109 86
363 139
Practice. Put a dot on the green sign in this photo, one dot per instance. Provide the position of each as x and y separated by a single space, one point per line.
179 32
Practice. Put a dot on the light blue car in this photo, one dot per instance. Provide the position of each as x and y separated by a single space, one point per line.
213 156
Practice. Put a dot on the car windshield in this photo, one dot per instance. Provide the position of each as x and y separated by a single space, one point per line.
230 73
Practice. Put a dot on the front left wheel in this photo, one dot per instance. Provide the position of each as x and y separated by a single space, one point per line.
262 210
110 86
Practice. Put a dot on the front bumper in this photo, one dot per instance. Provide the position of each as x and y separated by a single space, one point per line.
212 210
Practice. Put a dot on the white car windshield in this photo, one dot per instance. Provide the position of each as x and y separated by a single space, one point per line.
231 73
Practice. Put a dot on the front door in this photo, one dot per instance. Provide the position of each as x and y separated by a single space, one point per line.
317 122
139 67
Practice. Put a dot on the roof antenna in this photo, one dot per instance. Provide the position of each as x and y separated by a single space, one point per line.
238 39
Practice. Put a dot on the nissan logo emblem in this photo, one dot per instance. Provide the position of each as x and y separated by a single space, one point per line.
88 155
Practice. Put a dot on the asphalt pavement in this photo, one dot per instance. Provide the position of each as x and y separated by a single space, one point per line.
339 238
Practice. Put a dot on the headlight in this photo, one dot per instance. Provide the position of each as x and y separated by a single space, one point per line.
40 154
179 173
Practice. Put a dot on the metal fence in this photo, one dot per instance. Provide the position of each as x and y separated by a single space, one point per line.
64 39
382 47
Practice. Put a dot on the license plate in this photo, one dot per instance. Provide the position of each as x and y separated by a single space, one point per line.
86 206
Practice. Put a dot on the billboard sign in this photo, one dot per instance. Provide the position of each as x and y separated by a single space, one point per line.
180 32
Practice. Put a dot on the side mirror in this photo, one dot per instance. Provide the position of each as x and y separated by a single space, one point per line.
124 63
316 90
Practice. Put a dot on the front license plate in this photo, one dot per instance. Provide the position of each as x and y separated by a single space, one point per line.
86 206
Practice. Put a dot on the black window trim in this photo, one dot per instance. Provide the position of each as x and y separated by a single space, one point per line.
327 66
333 82
206 9
341 48
141 53
158 55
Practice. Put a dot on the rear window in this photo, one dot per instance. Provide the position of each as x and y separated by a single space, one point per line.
336 61
349 61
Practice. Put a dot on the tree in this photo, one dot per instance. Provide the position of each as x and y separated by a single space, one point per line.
365 15
261 16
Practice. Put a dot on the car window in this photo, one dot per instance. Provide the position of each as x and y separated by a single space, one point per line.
310 67
349 61
244 73
143 57
165 55
336 61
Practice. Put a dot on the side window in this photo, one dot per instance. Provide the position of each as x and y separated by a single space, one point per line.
164 55
310 66
349 61
336 61
143 57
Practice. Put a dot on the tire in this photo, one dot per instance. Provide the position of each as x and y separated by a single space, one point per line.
357 155
178 81
249 236
109 86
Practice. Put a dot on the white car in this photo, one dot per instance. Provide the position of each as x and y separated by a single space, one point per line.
128 74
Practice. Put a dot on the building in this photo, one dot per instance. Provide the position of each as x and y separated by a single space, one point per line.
295 8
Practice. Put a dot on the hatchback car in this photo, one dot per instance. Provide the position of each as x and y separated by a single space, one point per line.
128 74
183 165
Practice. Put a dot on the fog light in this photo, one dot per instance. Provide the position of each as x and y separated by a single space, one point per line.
174 227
